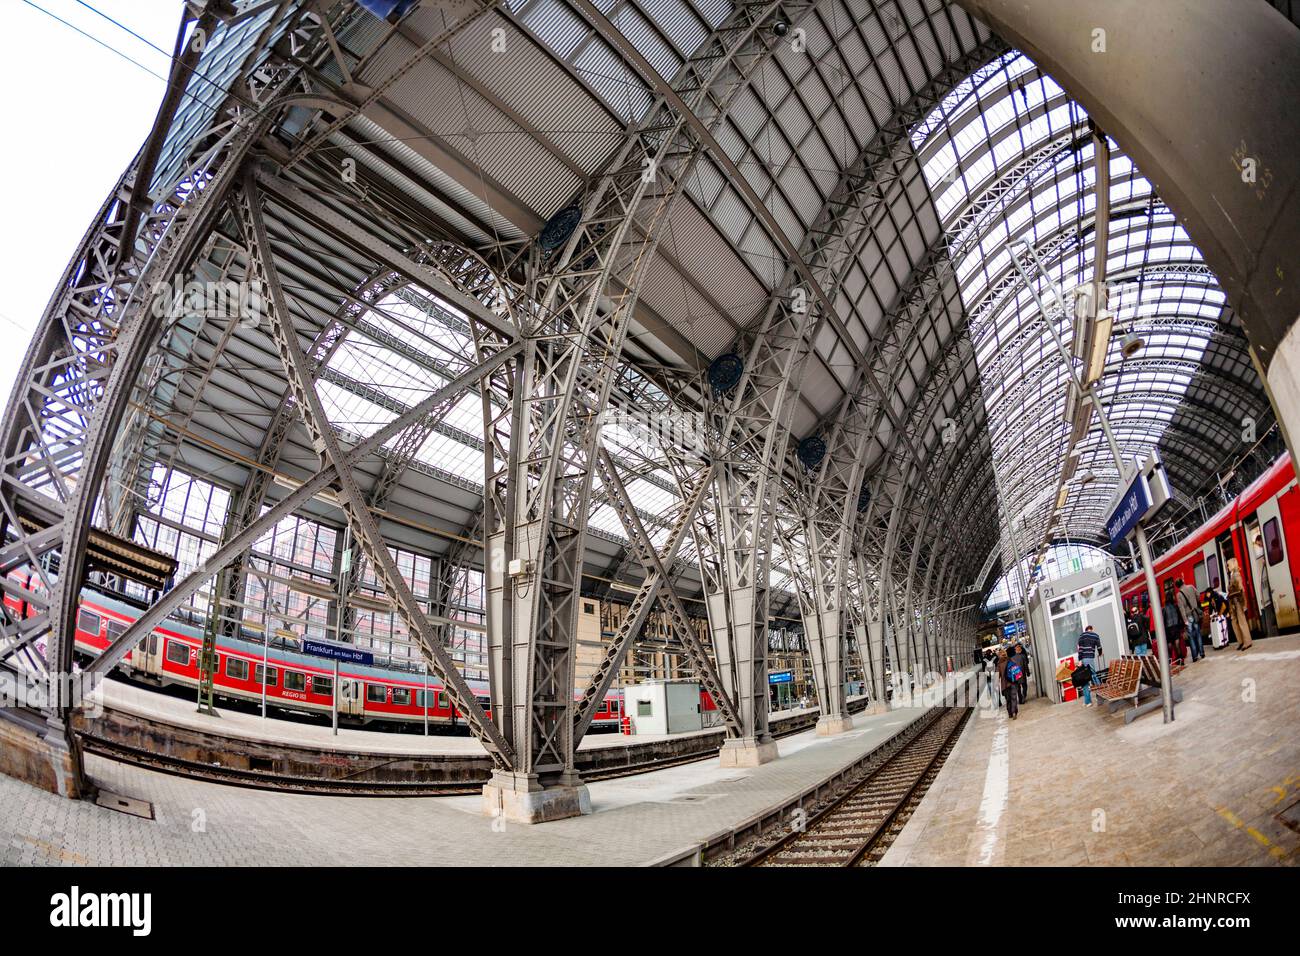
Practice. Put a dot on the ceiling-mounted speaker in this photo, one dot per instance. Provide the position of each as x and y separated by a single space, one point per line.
725 372
390 10
559 228
864 498
811 451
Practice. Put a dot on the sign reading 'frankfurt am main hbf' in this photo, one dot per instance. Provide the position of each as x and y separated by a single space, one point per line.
1131 509
337 652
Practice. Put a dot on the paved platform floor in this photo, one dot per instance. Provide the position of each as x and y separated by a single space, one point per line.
1067 785
635 819
150 703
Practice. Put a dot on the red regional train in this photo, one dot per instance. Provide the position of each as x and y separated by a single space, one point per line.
295 682
1269 508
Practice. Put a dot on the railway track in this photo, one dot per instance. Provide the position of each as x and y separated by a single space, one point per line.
856 827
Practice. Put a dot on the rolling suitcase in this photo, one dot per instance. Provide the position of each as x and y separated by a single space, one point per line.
1219 628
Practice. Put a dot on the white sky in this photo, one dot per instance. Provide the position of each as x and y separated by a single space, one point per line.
76 113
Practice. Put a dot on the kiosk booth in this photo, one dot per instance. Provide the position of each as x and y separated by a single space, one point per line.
1059 611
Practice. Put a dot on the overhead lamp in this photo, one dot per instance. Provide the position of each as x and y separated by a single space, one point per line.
1132 344
1083 477
1100 345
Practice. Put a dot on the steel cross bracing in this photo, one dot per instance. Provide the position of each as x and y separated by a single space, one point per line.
839 232
538 489
75 385
238 543
658 586
753 425
364 527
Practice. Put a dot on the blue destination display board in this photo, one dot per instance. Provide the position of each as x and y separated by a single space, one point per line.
1130 510
337 652
781 677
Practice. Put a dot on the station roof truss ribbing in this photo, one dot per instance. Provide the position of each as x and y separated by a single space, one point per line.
874 157
1009 157
526 148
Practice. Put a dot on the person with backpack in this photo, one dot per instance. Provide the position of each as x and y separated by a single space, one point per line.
1022 661
1009 673
1139 631
1189 606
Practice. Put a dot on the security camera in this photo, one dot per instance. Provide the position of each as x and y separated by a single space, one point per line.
780 28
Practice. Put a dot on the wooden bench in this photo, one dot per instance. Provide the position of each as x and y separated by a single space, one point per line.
1137 678
1151 669
1123 679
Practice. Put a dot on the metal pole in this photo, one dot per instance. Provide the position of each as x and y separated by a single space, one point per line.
425 667
1162 643
335 702
266 625
1125 472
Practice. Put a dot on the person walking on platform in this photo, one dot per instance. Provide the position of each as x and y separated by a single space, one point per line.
1173 624
1139 631
1083 677
1009 673
1088 647
1237 605
1189 605
1022 662
992 684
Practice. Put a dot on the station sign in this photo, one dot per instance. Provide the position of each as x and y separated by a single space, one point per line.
1132 508
781 677
337 652
1145 495
1014 627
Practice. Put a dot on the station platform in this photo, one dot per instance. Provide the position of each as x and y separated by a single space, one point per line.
151 704
636 820
1069 785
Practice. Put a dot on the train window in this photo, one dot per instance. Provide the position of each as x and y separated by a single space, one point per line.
377 693
115 629
484 702
88 622
401 697
424 699
295 680
178 653
236 669
153 643
322 685
613 705
1202 579
1272 542
1212 569
272 675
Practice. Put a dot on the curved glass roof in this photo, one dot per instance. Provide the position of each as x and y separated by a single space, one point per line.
1010 157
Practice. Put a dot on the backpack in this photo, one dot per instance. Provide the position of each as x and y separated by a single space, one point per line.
1014 673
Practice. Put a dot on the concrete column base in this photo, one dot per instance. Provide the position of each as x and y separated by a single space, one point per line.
833 724
876 707
37 754
746 752
520 798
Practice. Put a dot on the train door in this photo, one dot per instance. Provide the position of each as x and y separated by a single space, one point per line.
1289 511
350 696
1274 566
1260 587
